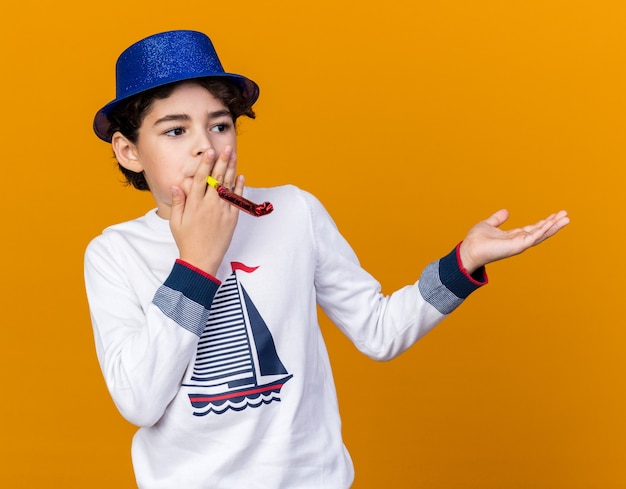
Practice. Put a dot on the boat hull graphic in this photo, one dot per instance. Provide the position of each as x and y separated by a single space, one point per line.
237 400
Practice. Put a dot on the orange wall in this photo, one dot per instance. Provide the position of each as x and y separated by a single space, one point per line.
462 108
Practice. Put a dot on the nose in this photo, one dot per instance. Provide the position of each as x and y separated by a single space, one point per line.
203 143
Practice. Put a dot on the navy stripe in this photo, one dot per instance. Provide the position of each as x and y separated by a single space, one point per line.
192 284
455 280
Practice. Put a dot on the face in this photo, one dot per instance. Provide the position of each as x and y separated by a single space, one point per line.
172 138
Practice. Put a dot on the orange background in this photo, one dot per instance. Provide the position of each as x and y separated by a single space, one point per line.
462 108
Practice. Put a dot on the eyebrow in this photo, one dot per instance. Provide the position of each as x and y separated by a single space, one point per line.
186 117
172 117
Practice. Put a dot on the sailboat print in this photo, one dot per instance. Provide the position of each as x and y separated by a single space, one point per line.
236 363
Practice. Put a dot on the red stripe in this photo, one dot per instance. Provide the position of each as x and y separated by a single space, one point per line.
197 270
235 394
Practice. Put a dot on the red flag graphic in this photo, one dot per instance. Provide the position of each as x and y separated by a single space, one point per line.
235 265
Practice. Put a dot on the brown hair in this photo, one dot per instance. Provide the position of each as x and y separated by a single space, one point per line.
128 116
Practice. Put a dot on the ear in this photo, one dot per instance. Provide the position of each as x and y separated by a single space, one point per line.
126 153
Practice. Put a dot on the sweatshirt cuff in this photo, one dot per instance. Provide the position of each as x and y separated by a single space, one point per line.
193 283
456 278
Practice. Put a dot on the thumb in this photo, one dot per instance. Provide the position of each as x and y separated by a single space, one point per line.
498 218
178 204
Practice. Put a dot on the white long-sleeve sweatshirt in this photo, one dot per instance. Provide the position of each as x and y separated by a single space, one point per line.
228 377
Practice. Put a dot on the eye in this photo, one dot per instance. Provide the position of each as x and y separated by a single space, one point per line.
221 127
175 131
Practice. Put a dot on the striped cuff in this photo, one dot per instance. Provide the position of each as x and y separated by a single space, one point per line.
186 296
193 283
455 277
444 284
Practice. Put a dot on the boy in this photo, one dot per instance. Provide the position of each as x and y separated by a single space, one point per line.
205 321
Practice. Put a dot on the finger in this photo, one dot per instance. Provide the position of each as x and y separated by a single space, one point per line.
561 215
199 185
551 224
498 218
560 220
542 226
178 205
548 227
239 184
221 165
231 171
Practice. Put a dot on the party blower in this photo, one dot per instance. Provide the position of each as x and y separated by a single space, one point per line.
256 210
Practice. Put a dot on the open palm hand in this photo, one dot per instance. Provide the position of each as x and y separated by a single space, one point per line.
486 242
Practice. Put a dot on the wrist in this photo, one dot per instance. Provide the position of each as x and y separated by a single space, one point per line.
454 276
466 262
